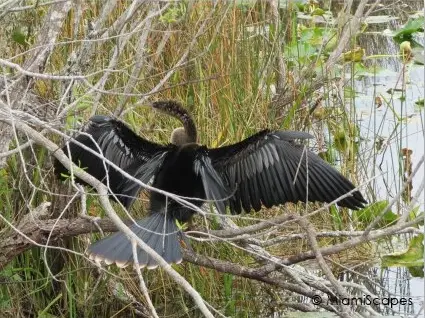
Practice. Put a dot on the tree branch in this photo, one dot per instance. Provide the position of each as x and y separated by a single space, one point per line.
104 201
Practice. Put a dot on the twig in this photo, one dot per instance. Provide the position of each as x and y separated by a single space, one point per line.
103 198
143 287
311 234
394 200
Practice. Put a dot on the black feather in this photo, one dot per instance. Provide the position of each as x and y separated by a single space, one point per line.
120 145
280 173
157 231
268 169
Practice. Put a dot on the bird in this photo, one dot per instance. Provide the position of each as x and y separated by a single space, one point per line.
266 169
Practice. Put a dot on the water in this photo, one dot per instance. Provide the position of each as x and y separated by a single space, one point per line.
385 160
384 123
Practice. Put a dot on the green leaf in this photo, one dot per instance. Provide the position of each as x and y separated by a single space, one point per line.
341 140
370 213
181 226
132 121
84 104
355 55
73 121
228 293
301 6
414 213
42 314
173 14
411 27
18 36
318 11
420 102
120 291
413 257
416 271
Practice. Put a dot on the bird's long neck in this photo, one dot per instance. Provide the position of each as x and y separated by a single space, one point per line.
176 110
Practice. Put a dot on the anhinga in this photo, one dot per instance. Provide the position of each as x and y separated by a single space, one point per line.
268 169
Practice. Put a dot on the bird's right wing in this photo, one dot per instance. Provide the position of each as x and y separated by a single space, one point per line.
269 168
119 144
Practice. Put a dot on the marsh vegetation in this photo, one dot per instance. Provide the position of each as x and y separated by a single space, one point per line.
351 74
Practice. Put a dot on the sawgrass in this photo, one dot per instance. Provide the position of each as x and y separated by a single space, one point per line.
227 83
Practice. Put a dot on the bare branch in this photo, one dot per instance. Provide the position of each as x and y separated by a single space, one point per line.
103 197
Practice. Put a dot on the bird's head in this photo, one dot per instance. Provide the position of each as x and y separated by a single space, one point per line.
182 135
179 137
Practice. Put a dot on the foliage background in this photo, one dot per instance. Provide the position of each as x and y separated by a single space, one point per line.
238 67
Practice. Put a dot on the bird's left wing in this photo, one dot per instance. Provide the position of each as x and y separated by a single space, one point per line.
269 168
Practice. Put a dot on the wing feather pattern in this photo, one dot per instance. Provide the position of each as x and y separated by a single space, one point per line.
119 144
214 187
269 168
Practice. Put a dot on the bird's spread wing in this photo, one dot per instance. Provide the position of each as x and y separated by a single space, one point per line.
268 169
119 144
214 187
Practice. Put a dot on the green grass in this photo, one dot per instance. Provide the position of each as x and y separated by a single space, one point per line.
227 83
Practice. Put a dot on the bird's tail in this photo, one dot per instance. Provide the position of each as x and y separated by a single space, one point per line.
158 231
